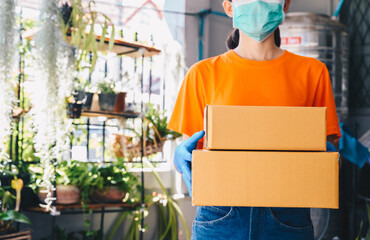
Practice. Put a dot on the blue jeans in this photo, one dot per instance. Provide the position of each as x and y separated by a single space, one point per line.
252 223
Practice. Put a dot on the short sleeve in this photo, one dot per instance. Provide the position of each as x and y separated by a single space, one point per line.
324 98
188 112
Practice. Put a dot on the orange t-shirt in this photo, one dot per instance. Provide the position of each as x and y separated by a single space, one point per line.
229 79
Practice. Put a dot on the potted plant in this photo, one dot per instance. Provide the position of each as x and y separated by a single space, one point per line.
81 91
78 101
70 178
109 99
113 184
156 129
155 134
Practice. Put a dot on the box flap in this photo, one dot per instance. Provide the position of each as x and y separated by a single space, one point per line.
206 127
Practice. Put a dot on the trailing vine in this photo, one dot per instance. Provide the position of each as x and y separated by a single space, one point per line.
8 44
52 85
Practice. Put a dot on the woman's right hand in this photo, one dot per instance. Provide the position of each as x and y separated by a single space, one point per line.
183 156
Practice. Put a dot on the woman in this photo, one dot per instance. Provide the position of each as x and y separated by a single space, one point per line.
254 72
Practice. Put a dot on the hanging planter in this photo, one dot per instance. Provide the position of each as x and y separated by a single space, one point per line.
79 27
155 135
77 102
74 110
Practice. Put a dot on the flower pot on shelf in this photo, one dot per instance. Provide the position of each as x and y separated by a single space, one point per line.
107 101
88 100
66 194
109 194
120 103
112 102
84 98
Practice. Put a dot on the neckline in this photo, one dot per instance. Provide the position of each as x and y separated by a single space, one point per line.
231 54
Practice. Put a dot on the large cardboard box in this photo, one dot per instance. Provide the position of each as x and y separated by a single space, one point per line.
265 128
265 179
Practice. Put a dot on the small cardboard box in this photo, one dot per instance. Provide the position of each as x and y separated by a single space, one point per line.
265 128
265 179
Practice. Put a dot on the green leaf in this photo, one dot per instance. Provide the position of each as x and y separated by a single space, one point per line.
117 224
7 198
360 232
104 32
87 223
111 40
17 217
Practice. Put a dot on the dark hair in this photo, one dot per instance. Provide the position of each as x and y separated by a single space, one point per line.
233 40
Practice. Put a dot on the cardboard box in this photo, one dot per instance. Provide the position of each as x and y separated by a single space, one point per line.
265 128
265 179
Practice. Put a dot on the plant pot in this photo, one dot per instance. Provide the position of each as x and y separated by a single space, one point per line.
74 110
120 103
7 227
107 101
87 104
83 97
109 194
66 194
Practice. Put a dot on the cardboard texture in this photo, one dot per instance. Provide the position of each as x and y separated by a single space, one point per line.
265 179
265 128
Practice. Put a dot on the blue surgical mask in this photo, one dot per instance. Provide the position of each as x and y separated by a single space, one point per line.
258 19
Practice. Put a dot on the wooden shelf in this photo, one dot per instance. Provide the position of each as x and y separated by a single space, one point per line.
17 236
88 113
131 49
92 206
120 47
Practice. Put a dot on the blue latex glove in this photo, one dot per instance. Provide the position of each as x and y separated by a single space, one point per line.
183 156
351 149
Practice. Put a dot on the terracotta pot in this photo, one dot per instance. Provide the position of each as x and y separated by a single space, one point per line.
66 194
120 102
109 194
